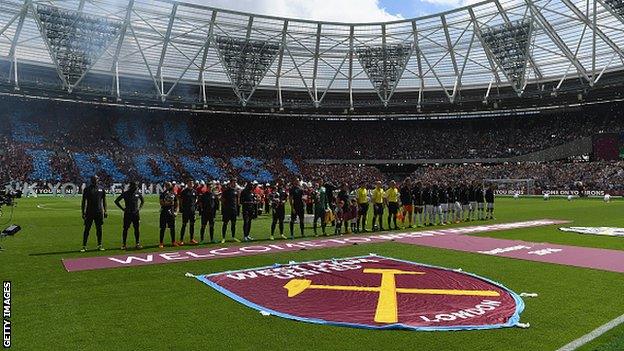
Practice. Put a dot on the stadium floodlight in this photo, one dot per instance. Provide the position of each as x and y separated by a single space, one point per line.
384 66
75 40
246 62
509 45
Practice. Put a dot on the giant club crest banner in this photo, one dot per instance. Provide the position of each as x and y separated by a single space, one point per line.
372 292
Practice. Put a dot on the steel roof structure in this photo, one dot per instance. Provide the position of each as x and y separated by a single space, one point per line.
180 48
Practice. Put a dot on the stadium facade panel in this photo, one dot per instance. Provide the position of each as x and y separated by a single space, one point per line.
167 52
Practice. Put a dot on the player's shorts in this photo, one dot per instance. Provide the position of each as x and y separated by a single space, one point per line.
298 210
131 219
362 209
229 214
480 205
490 205
393 207
378 209
167 219
458 206
250 210
429 208
473 205
97 218
418 209
465 207
319 213
208 217
279 213
444 207
188 216
408 208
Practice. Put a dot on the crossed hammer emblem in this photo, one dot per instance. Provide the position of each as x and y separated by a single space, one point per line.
387 311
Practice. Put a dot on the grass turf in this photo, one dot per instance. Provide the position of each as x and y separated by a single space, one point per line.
157 308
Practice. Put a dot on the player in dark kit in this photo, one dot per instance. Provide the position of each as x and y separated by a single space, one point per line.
418 203
93 211
278 203
407 201
480 199
169 207
229 209
464 200
208 205
188 207
250 209
133 202
295 197
489 199
319 196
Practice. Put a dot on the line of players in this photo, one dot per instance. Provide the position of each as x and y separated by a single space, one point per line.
413 204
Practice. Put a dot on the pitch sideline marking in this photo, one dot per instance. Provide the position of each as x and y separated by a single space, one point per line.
593 334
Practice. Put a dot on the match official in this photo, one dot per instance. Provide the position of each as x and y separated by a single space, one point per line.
378 197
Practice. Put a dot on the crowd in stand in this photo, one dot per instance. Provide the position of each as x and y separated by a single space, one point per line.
600 175
53 141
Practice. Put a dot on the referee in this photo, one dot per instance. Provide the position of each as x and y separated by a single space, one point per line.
361 194
93 209
392 201
133 202
378 197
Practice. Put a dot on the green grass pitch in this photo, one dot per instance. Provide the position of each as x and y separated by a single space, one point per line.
158 308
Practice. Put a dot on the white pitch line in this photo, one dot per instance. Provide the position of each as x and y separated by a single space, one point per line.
593 334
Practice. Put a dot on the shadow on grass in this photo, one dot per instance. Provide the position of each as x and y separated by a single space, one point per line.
149 248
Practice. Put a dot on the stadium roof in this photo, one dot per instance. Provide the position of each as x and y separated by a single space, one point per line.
510 44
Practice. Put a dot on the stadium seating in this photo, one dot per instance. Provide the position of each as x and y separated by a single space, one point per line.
58 141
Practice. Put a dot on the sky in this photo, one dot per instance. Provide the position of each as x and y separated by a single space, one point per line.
339 10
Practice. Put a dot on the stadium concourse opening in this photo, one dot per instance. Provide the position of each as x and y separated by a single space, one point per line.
345 186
